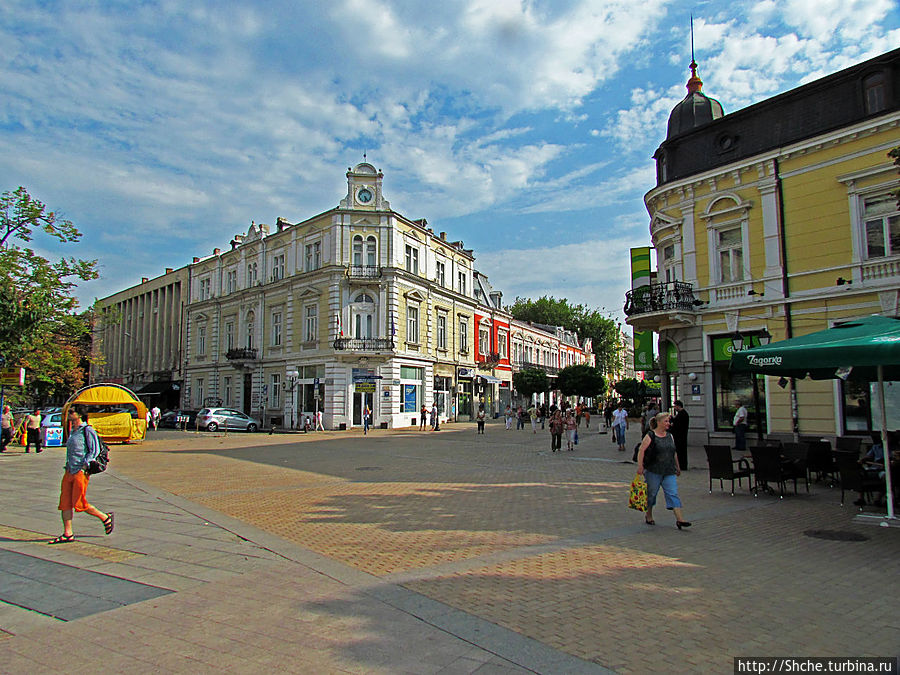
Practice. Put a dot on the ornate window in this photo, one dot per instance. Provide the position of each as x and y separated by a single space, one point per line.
276 329
412 324
442 331
312 323
412 259
730 251
881 216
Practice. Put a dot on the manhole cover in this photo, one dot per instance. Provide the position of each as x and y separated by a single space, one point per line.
368 468
836 535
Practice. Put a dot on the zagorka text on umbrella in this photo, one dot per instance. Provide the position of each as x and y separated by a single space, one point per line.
764 360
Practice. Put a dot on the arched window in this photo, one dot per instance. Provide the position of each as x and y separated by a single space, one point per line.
357 250
370 252
363 316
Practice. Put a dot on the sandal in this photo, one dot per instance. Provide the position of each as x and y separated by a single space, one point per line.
63 539
110 522
650 521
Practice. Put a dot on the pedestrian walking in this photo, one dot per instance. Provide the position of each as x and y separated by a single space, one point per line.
509 418
587 418
423 416
533 414
520 419
7 422
620 426
680 422
367 419
82 447
319 426
571 430
543 415
740 428
556 431
608 414
480 419
33 431
658 463
435 417
155 414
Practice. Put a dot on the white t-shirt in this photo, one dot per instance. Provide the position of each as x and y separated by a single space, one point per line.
740 417
619 417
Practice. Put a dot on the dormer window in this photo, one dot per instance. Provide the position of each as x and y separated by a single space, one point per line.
874 94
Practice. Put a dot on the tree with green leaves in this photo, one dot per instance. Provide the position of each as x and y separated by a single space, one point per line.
530 381
588 323
38 322
581 380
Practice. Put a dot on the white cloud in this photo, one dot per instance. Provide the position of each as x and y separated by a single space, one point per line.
587 271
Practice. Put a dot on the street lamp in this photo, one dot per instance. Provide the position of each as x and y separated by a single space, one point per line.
292 376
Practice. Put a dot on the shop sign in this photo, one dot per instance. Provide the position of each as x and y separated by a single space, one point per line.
465 372
365 387
723 348
12 377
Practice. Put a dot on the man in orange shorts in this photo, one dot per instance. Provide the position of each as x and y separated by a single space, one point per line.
82 446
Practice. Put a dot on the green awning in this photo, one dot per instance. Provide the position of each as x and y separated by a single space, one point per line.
861 345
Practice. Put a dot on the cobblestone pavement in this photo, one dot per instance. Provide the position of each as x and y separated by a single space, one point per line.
542 544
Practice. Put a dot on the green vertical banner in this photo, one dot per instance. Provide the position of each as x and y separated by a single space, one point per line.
643 350
640 276
671 357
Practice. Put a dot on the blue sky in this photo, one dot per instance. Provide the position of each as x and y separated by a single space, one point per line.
525 128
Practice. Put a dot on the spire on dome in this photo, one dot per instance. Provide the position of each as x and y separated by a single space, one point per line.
696 109
695 84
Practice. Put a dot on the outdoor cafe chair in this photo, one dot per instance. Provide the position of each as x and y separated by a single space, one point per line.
848 443
723 467
854 478
820 461
797 454
768 467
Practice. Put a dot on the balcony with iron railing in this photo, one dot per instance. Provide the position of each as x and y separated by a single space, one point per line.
241 354
648 307
364 344
364 272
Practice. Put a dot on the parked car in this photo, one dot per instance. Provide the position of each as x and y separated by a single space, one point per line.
169 420
213 419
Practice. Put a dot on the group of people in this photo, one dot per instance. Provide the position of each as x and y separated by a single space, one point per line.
432 417
31 424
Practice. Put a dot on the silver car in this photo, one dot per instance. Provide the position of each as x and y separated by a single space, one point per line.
213 419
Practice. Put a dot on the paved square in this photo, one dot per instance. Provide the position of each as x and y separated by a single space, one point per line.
543 544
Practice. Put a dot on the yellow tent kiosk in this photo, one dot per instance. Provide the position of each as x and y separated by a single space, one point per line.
114 411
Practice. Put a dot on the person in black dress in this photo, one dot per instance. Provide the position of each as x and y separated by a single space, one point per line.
680 423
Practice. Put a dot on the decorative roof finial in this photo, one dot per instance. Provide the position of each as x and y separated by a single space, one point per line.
364 154
695 84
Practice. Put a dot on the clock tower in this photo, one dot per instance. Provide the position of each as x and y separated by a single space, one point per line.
364 189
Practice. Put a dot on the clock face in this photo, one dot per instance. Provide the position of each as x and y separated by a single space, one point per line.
364 196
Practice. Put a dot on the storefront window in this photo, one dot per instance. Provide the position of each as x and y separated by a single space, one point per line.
731 390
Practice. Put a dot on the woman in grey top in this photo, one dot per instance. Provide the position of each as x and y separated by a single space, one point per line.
660 469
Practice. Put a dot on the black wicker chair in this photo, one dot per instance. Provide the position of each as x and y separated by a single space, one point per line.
723 467
769 467
820 461
798 455
853 478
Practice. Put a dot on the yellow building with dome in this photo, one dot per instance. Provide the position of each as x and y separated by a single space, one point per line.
776 220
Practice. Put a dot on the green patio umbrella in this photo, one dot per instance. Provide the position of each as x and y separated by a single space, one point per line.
864 349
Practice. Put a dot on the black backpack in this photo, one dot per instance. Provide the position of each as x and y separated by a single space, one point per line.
97 465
